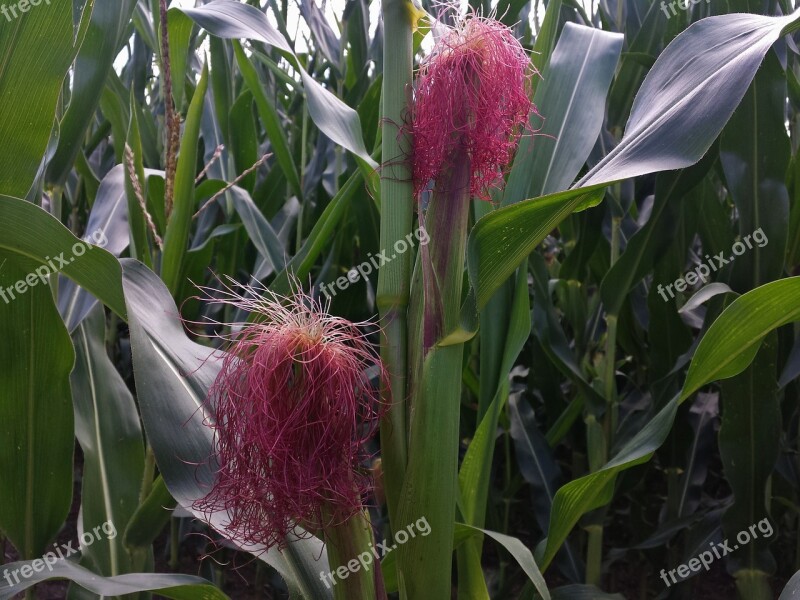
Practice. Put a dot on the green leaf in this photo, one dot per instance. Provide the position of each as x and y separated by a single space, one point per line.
180 29
30 232
173 376
31 79
177 234
654 237
258 228
749 449
538 466
273 126
177 587
232 20
150 517
110 434
755 154
500 241
582 495
107 28
107 225
35 409
673 122
733 339
520 553
546 39
321 235
646 43
572 98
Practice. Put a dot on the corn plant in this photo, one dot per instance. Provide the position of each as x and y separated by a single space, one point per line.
380 300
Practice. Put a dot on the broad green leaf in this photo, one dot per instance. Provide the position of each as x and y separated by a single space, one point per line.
107 226
232 20
500 241
586 493
94 62
258 228
31 77
30 232
244 133
222 83
733 339
674 120
754 155
173 376
520 553
572 99
177 587
110 434
35 409
180 35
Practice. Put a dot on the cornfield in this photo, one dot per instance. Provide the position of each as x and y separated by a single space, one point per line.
386 299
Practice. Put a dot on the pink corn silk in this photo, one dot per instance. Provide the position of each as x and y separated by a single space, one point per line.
473 92
292 412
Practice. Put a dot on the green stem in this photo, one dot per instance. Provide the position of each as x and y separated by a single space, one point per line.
397 212
174 543
594 555
56 199
148 475
594 552
345 543
431 483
